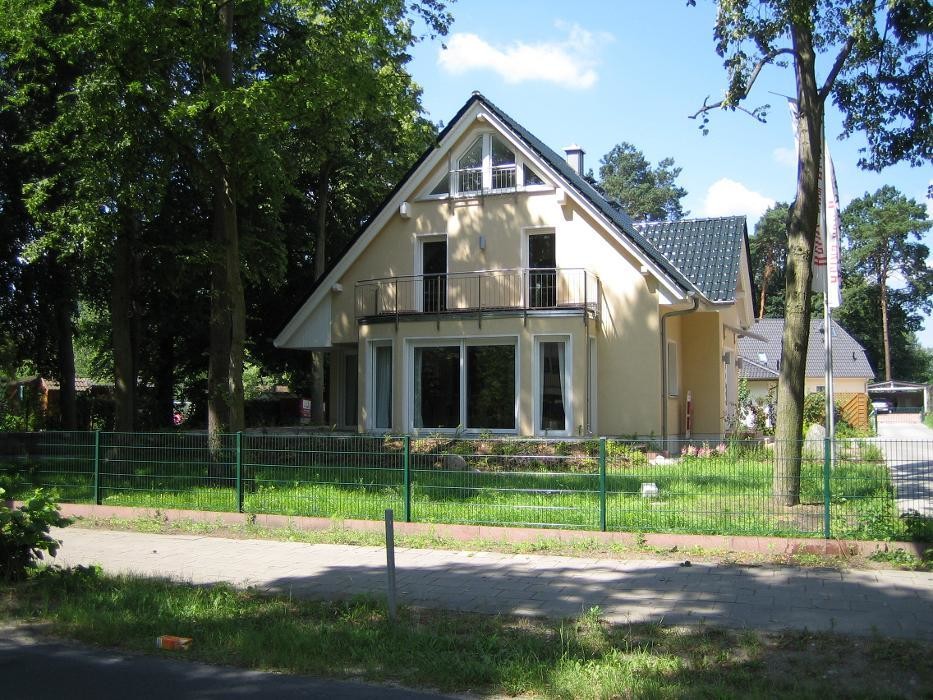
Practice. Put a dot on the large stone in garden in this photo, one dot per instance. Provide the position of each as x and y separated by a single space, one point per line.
453 463
813 442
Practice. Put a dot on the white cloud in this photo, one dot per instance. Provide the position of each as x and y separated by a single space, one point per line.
726 197
570 63
785 156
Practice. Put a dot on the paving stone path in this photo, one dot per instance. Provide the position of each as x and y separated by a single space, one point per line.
891 603
908 452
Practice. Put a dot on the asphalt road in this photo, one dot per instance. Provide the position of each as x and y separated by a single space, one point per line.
32 668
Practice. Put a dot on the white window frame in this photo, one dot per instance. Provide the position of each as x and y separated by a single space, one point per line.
673 371
371 346
567 340
463 343
452 167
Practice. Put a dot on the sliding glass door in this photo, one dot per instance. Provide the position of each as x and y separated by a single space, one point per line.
467 384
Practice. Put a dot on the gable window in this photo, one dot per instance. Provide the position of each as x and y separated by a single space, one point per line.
470 168
530 177
467 384
503 165
442 187
488 164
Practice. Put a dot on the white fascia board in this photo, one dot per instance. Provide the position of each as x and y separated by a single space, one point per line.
405 192
314 333
673 290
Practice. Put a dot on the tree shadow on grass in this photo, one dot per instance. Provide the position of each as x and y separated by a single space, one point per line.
583 656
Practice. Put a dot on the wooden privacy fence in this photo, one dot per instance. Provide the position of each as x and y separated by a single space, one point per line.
854 409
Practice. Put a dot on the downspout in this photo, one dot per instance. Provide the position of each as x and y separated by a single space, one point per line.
680 312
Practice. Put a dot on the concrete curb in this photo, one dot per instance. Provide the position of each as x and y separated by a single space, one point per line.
725 543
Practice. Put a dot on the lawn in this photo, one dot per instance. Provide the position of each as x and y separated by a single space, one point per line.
490 482
456 652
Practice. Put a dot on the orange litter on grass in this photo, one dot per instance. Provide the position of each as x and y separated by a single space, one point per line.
170 641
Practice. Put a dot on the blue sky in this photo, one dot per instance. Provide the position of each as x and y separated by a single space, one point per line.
599 73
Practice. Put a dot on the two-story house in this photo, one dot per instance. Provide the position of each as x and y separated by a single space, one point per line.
497 291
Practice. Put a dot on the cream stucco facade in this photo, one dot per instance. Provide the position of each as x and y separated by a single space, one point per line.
609 331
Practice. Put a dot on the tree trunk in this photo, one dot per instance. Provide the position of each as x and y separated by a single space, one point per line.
320 265
765 281
64 332
121 324
228 308
801 232
884 326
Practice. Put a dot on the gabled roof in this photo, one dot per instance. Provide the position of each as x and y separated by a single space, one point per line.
760 358
661 259
706 251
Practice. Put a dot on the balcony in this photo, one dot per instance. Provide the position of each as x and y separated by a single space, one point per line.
487 292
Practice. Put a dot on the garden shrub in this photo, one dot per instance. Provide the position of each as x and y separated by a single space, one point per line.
24 532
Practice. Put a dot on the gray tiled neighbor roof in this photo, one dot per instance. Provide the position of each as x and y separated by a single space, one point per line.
849 358
707 251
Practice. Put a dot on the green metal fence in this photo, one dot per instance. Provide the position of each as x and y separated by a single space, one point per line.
875 488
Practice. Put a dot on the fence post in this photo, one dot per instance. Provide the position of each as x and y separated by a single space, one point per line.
97 467
602 484
239 472
406 473
827 452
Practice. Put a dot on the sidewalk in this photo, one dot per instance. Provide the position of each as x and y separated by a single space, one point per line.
890 603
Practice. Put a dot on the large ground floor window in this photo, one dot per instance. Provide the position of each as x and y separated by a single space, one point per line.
469 384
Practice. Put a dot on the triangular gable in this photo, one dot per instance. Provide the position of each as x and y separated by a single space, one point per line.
672 283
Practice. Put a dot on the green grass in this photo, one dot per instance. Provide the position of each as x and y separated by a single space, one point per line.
722 494
578 658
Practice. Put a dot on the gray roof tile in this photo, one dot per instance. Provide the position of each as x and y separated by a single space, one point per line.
849 358
707 251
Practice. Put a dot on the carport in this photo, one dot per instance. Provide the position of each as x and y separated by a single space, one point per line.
910 401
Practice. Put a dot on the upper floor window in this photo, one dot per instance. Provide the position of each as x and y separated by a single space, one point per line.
503 165
488 164
470 168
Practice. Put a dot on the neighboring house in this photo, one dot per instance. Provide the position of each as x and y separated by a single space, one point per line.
761 357
497 291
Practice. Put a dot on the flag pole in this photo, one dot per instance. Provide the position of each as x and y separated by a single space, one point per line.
827 309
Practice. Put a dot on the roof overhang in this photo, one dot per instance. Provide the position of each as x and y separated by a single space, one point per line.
745 333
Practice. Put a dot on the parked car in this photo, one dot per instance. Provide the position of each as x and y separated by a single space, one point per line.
882 406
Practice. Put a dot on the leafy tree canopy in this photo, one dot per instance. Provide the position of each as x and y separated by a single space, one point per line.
883 231
643 191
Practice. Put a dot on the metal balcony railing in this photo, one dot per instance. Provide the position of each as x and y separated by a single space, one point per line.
470 180
519 289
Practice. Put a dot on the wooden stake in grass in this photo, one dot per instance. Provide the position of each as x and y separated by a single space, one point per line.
390 561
